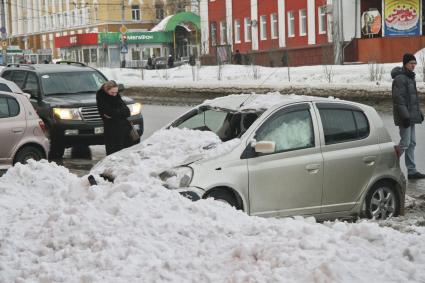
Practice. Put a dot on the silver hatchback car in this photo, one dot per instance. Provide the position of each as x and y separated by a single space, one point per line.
22 132
297 155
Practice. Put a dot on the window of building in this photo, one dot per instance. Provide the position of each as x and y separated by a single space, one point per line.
247 29
322 20
263 27
303 22
159 13
135 54
93 55
213 34
273 25
342 125
291 24
135 12
237 31
223 32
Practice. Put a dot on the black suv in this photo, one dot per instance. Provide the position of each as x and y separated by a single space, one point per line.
64 96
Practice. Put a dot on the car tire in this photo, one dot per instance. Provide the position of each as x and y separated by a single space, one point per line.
224 196
81 151
26 153
56 151
382 202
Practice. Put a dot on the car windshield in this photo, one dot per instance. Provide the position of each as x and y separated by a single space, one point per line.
71 82
225 123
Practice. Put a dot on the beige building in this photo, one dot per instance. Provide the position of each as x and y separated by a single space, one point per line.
33 25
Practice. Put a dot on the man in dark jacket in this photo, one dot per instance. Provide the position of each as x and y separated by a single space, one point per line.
114 113
237 58
407 112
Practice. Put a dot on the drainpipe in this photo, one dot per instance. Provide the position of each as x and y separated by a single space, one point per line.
355 29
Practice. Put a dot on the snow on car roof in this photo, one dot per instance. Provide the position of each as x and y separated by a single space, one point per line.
256 102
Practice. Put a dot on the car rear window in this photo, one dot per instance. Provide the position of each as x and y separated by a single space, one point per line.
341 125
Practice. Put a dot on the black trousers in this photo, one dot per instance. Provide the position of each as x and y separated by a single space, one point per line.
116 133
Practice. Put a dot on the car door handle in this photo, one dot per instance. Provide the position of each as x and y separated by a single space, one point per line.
17 130
369 160
312 168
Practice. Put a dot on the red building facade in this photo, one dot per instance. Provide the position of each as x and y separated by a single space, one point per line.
269 29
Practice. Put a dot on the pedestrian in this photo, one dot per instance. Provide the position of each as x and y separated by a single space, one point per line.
149 62
114 113
170 61
407 112
237 57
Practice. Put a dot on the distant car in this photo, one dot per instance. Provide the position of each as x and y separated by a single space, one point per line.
159 63
22 132
64 95
297 155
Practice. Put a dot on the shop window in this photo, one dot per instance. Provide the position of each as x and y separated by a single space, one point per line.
93 55
135 12
263 27
322 20
213 34
273 25
86 55
291 24
135 54
247 29
237 31
303 22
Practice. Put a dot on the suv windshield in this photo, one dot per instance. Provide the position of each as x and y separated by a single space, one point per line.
226 124
71 82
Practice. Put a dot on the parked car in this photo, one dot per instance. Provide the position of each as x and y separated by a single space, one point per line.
297 155
64 96
22 132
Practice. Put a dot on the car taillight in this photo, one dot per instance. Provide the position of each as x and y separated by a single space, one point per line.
42 126
397 151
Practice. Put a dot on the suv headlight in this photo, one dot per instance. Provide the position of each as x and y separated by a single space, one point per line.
179 177
135 108
67 113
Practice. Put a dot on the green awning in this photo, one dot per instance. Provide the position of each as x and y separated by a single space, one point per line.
181 18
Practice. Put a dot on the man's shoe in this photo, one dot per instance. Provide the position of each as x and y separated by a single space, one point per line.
416 175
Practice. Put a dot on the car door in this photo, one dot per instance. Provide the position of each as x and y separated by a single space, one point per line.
12 126
288 181
350 153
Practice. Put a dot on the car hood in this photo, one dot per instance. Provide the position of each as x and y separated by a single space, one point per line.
75 100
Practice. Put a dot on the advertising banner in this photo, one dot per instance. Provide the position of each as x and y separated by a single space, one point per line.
401 17
371 22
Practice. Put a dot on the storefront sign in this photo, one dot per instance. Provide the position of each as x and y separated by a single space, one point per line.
76 40
136 37
14 49
401 17
371 22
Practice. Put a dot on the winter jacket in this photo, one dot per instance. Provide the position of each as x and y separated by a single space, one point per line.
405 97
116 127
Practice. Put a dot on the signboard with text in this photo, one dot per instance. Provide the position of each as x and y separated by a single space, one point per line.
135 37
401 17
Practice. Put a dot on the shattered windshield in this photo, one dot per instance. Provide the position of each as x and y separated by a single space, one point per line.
71 82
225 123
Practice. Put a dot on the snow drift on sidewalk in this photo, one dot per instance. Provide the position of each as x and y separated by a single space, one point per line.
55 228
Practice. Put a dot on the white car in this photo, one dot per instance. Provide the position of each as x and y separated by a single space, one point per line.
297 155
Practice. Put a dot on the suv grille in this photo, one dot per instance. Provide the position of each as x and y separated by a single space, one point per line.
90 114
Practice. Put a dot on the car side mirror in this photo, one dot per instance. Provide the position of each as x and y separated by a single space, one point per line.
120 87
265 147
33 92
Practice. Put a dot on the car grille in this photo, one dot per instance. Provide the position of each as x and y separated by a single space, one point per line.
90 114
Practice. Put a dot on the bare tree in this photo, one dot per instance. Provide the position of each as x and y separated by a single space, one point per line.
375 71
328 70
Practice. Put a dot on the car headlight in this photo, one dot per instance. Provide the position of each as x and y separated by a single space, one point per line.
67 113
135 108
179 177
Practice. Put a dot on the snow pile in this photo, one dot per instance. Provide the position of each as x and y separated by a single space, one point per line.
55 228
163 150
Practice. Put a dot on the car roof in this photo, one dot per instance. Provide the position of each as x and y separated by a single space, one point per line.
50 68
262 102
12 85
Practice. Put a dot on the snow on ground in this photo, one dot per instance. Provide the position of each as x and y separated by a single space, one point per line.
355 76
55 228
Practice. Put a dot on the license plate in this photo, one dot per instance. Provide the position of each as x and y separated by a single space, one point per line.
98 130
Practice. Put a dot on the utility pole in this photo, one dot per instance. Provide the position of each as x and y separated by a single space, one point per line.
336 31
3 31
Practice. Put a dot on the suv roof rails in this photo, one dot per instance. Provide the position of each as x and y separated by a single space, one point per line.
29 66
71 63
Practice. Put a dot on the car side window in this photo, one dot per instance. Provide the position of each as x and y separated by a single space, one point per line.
4 87
290 130
18 77
7 75
31 83
342 125
4 108
9 107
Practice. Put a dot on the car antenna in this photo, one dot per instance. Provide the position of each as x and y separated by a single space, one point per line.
243 103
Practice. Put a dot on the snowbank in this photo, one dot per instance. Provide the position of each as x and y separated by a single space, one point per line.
55 228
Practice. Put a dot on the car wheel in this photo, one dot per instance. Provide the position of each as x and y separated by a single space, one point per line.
26 153
81 151
224 196
56 151
382 202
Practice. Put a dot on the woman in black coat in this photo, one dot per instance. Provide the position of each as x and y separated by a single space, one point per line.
114 113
